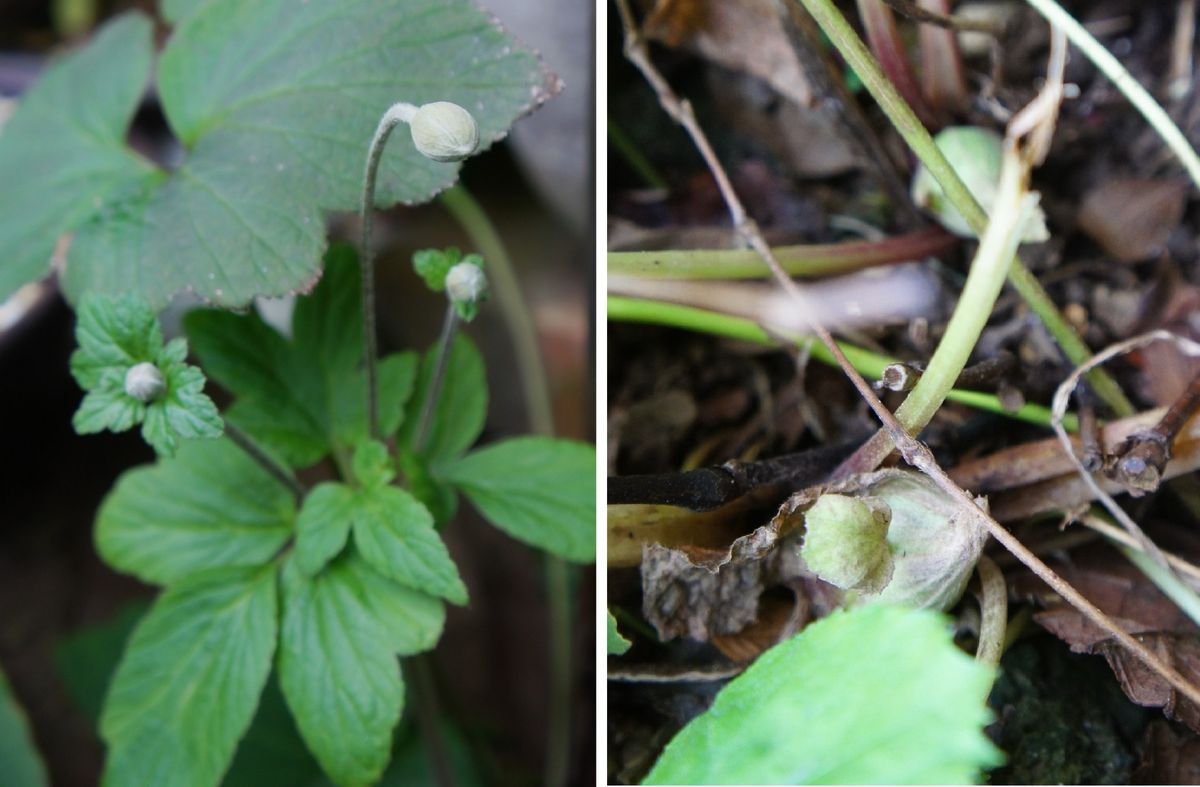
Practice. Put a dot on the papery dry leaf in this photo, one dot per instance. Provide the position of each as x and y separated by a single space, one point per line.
700 593
745 35
1122 592
1130 218
1170 756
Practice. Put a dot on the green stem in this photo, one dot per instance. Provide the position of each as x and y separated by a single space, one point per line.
517 317
429 406
535 388
985 278
633 157
867 363
1150 109
918 139
396 114
993 612
806 260
265 460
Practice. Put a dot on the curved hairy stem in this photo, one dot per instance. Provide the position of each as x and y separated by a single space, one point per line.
396 114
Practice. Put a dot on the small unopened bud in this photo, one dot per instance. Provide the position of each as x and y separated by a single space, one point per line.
144 382
466 283
444 131
845 542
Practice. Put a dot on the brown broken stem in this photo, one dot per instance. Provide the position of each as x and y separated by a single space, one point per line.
1141 458
984 375
1062 397
914 452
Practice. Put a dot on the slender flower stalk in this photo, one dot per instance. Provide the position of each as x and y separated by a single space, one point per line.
445 341
441 131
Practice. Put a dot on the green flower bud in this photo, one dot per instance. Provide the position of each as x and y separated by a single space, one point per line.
976 155
144 382
444 131
845 542
891 536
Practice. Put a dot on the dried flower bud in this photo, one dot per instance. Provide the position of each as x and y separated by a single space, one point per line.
845 542
144 382
976 155
444 131
931 543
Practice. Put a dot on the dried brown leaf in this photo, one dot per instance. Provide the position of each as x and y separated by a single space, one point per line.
745 35
1136 605
1130 218
1170 756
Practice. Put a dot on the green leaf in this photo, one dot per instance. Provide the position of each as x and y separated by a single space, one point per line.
372 466
116 334
432 265
175 10
617 644
189 682
876 695
20 763
323 525
439 497
303 398
395 534
539 490
461 408
210 506
275 103
342 631
65 146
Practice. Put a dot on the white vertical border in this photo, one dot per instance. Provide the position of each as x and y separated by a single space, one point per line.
603 8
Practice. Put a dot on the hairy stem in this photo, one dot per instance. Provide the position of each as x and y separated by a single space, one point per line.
914 133
255 452
396 114
429 406
518 319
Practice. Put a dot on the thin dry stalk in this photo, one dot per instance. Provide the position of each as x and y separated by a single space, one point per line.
914 452
1062 398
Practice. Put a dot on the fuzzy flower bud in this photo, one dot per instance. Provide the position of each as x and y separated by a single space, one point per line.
444 131
144 382
466 283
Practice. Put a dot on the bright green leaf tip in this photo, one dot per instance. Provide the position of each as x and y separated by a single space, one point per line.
617 644
372 465
874 695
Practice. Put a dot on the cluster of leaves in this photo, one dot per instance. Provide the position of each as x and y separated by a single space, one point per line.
274 102
332 591
115 334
